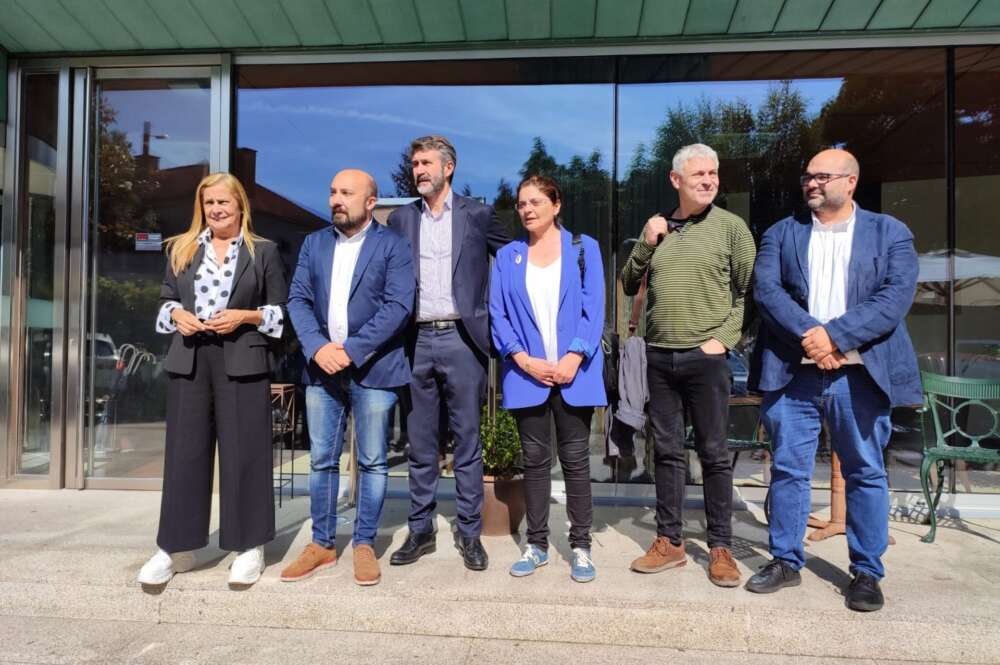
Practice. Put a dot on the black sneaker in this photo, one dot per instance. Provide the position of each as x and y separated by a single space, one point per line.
863 594
775 575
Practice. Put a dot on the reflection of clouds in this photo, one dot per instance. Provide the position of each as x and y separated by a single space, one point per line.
570 119
299 132
355 114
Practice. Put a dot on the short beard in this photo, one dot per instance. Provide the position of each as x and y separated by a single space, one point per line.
435 186
348 223
827 202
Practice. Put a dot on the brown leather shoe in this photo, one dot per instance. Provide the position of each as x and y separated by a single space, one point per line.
662 554
366 570
722 568
313 559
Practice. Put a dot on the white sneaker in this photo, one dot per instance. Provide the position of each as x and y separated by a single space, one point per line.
247 567
162 566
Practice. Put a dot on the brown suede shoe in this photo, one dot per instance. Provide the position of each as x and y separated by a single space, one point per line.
662 554
366 570
313 559
722 568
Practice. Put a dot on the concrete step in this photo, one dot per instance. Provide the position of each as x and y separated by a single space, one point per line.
72 563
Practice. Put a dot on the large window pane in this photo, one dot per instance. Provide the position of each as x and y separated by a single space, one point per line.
37 240
298 127
767 114
976 267
149 159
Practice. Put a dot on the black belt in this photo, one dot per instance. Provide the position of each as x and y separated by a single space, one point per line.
438 325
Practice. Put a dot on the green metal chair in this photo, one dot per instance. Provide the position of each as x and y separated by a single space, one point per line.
946 397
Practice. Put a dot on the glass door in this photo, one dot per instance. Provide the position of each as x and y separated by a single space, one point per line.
36 240
151 142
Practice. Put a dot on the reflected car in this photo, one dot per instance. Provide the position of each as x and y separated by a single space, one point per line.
105 361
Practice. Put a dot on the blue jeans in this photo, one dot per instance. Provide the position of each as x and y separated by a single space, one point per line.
327 407
857 416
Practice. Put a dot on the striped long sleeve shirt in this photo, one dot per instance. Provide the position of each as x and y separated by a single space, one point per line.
698 280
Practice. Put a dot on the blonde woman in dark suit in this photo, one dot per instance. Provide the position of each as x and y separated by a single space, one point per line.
222 297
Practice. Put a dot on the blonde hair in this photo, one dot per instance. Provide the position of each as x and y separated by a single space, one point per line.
182 248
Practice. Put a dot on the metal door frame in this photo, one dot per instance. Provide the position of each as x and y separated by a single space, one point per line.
77 83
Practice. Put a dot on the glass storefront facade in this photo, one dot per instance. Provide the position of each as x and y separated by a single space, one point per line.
920 121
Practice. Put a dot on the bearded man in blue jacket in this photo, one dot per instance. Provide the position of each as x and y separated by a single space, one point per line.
833 288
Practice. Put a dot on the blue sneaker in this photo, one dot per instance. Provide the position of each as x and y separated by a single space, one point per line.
533 558
582 569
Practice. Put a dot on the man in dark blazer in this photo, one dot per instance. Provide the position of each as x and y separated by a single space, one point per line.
833 288
452 238
350 299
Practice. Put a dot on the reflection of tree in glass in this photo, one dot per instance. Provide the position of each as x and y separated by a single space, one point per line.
586 187
125 182
402 177
880 118
761 151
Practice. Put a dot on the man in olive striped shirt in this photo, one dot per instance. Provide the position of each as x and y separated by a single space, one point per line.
698 266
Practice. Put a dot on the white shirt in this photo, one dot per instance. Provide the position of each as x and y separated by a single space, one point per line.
829 265
435 299
345 259
542 285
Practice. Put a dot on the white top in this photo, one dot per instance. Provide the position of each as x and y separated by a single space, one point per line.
435 300
542 285
829 265
345 258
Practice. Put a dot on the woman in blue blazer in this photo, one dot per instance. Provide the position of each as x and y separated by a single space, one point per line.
547 315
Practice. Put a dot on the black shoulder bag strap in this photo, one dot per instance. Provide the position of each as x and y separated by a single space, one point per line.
578 241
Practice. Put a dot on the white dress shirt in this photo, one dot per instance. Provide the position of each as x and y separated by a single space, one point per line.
542 285
435 300
829 265
345 259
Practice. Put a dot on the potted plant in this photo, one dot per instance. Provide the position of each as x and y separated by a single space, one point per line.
503 486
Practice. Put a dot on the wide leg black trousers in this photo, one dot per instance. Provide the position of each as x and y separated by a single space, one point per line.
202 407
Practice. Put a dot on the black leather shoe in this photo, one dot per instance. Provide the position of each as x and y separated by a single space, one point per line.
415 546
863 594
775 575
473 553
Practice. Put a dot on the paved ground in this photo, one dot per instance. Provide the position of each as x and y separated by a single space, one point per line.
67 595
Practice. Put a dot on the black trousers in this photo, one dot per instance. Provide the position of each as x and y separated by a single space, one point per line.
202 407
534 424
693 381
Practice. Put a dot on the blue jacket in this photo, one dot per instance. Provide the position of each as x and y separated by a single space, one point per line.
882 280
476 233
380 305
579 323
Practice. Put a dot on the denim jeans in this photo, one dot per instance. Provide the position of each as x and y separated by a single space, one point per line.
690 380
327 408
857 416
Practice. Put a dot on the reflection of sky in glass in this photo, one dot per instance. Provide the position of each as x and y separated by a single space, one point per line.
643 107
305 135
180 113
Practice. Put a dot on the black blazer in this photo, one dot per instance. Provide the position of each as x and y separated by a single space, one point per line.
476 233
257 281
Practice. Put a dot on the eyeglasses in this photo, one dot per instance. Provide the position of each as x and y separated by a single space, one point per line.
534 203
821 178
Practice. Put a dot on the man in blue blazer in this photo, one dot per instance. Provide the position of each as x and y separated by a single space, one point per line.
452 238
350 299
833 289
